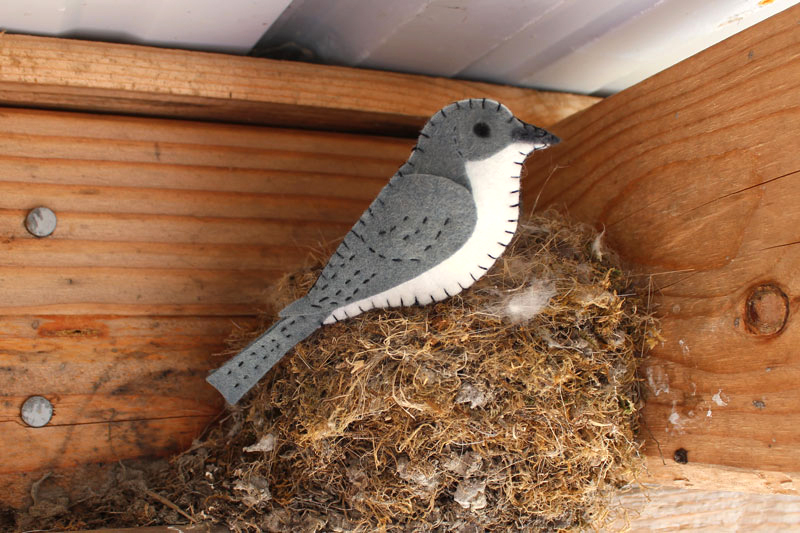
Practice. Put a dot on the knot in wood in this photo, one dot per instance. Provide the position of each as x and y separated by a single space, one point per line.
681 456
766 310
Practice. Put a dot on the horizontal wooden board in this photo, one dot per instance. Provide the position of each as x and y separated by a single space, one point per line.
360 163
121 387
664 510
136 228
54 447
168 217
96 126
169 237
32 253
153 288
187 177
70 74
694 175
170 233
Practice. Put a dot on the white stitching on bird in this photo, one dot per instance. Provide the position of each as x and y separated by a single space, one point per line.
496 209
435 229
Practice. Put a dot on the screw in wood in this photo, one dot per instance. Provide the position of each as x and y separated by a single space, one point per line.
36 411
41 222
766 310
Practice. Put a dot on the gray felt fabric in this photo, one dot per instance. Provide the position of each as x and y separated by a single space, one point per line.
449 138
415 223
420 218
241 373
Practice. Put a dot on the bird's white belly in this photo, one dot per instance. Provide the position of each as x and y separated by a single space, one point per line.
495 186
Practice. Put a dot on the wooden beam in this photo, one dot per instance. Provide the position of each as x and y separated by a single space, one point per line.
159 217
169 235
78 75
693 511
694 174
121 387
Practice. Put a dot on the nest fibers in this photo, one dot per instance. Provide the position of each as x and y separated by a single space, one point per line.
510 407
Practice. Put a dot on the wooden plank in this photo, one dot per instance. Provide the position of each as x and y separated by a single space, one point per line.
694 175
121 387
153 290
161 217
96 126
169 236
210 204
32 253
78 75
693 511
186 229
64 446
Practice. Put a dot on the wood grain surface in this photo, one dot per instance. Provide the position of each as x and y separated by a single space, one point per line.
169 236
694 176
665 510
170 233
70 74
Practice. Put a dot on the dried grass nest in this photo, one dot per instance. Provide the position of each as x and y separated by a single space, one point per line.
510 407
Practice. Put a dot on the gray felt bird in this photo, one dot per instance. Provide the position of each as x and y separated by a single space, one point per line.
438 225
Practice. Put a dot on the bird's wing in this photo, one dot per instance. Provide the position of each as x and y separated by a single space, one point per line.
416 222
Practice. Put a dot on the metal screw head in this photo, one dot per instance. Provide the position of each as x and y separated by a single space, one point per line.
41 221
37 411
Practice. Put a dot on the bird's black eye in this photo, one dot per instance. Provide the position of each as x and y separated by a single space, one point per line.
481 129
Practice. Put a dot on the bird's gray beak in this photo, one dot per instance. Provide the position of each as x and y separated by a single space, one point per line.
537 136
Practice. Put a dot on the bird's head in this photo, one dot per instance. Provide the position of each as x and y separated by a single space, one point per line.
472 130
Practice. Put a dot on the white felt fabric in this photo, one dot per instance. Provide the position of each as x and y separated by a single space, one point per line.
495 183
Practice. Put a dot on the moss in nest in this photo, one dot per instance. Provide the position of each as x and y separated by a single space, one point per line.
512 406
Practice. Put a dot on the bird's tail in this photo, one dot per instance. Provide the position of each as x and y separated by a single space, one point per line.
240 373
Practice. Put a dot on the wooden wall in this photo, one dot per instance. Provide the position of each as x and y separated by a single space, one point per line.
694 176
170 232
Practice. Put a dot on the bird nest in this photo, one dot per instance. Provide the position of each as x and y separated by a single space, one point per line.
509 407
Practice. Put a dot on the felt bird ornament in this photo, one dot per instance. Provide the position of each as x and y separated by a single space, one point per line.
437 226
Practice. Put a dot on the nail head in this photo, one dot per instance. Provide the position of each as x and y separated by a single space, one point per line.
36 411
41 222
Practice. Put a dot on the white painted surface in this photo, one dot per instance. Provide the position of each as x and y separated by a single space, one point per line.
649 41
232 26
343 31
586 46
473 27
560 32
